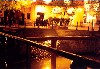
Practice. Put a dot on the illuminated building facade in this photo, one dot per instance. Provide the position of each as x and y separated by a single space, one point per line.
58 12
48 11
76 14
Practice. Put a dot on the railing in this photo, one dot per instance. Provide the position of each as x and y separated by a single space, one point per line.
7 41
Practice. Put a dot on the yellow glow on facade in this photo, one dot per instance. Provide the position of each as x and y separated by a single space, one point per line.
25 3
78 17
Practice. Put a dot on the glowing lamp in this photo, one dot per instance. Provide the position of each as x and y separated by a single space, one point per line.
47 1
40 9
70 10
34 0
66 1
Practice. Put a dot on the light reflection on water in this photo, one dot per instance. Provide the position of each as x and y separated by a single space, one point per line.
43 59
66 45
61 63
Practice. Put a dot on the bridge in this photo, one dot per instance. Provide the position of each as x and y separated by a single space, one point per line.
10 43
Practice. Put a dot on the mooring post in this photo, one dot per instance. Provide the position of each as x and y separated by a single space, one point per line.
28 58
88 28
53 56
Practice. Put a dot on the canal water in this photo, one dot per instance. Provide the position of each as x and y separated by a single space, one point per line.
15 54
44 62
61 63
42 59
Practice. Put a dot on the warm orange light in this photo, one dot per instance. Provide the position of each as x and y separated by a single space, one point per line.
61 63
46 64
46 67
47 43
